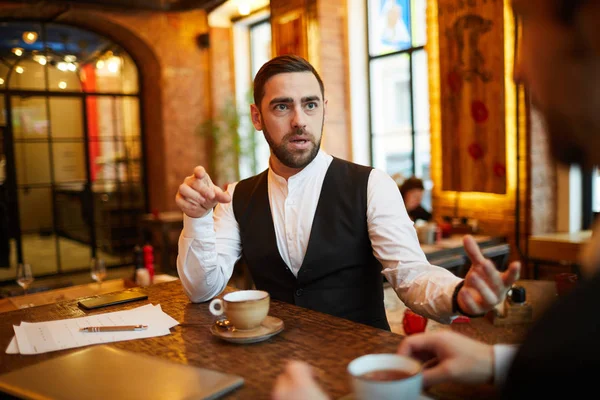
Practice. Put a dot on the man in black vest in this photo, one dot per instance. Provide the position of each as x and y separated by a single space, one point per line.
560 63
315 230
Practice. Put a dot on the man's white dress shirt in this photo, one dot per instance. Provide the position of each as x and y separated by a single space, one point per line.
210 246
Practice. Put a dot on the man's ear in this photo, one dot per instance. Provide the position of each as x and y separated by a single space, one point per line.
256 120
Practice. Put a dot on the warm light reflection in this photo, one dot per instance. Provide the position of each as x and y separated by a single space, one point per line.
40 59
100 64
70 58
72 67
1 81
244 8
62 66
30 37
62 84
18 51
113 64
19 70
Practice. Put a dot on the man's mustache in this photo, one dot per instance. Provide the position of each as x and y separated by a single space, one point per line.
299 132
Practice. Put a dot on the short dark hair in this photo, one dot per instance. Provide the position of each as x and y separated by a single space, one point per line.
410 184
567 9
281 65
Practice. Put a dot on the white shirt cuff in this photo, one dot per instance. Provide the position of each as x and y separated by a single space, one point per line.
503 357
197 227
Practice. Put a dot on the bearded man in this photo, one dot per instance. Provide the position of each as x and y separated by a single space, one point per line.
315 230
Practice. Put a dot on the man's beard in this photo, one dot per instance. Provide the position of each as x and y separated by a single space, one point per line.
291 159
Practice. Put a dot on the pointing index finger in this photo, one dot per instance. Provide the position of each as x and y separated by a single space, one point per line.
472 250
200 172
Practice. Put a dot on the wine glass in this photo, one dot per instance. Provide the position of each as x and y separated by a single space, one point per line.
98 270
24 276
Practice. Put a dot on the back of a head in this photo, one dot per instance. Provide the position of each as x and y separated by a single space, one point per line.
410 184
281 65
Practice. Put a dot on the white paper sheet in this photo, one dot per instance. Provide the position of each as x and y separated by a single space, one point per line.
42 337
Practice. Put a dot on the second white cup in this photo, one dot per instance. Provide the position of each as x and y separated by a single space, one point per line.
386 377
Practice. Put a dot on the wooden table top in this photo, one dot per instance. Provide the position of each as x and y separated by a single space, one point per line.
558 247
327 343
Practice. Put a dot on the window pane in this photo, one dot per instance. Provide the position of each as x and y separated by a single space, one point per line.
112 72
61 78
69 162
28 74
32 163
389 26
419 22
391 114
255 150
421 123
29 118
22 46
130 117
66 119
260 45
35 210
3 75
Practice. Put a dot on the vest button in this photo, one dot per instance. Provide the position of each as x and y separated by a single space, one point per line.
299 292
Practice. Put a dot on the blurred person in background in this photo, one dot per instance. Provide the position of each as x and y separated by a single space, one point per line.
412 190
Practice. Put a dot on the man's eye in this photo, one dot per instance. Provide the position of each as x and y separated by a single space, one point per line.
311 106
280 107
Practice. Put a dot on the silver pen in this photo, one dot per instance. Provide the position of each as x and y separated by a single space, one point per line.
118 328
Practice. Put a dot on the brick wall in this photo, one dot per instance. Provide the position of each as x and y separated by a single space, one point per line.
543 200
224 161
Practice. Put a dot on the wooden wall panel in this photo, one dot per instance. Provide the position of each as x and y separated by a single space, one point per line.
471 42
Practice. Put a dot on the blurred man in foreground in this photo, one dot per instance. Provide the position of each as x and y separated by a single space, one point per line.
560 64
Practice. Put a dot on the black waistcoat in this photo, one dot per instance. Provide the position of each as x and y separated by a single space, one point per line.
339 275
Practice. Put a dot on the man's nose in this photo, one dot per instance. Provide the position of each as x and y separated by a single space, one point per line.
299 119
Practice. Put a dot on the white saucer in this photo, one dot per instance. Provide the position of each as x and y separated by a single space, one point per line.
270 327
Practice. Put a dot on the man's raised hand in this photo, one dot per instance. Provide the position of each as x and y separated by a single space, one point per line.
197 195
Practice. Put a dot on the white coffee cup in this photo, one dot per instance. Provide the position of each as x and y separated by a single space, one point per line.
245 309
368 387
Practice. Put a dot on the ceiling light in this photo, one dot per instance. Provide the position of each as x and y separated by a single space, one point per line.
30 37
19 70
70 58
62 84
18 51
62 66
244 8
114 64
40 59
100 64
1 81
72 67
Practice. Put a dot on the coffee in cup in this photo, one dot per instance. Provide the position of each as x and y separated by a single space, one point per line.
386 376
565 282
245 309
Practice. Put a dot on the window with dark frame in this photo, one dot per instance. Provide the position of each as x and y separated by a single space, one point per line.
399 90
